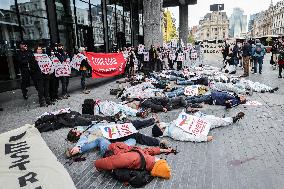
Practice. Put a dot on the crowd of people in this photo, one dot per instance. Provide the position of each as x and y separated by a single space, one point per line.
47 84
154 86
250 54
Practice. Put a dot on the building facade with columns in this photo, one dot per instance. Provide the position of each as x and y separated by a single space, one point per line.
214 26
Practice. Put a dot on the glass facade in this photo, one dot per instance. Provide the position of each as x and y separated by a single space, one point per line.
99 25
20 20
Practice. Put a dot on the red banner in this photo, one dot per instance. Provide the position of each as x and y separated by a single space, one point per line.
106 64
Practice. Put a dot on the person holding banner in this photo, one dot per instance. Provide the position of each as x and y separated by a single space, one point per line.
29 69
179 132
46 69
84 67
153 56
63 77
179 59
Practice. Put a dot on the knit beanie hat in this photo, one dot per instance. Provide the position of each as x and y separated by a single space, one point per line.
161 169
156 131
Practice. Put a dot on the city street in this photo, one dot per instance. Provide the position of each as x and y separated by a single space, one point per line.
248 154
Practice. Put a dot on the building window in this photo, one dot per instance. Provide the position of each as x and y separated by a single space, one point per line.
97 24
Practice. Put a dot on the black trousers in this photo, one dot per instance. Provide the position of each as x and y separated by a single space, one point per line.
27 75
141 138
45 83
179 65
281 66
53 86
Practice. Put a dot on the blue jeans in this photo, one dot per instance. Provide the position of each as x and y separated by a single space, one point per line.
185 82
199 99
259 61
175 93
103 144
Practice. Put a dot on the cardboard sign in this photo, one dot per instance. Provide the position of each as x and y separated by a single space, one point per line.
180 57
146 56
191 90
115 131
172 56
77 60
45 63
192 124
193 55
174 43
140 49
63 69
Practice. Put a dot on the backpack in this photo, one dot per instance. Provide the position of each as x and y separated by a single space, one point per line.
258 49
88 106
135 177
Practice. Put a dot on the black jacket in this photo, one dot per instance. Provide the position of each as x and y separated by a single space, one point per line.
26 61
247 50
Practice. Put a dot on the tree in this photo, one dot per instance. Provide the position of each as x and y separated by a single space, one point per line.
169 28
269 40
191 39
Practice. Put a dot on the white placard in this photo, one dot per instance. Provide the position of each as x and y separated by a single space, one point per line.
45 63
77 60
63 69
192 124
191 90
140 49
146 56
172 56
115 131
180 57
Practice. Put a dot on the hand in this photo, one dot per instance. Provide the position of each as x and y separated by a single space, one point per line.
165 110
209 138
168 150
74 150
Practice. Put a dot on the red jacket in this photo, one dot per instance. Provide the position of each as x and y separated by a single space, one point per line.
281 62
122 158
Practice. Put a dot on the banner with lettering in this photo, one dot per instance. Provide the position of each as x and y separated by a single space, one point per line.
192 124
115 131
106 64
27 162
44 62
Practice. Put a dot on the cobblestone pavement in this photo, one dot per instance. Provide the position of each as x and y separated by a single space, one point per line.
247 155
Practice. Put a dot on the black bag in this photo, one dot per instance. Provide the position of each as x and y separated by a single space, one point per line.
136 178
88 106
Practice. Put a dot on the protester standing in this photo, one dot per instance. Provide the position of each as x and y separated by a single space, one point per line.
84 70
179 62
258 53
235 54
281 59
246 55
29 69
62 56
225 51
44 78
152 58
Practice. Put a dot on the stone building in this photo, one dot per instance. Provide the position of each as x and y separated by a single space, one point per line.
278 19
214 26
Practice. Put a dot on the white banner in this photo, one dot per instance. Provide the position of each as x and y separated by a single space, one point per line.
146 56
63 69
77 60
194 55
115 131
27 162
174 43
192 124
45 63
